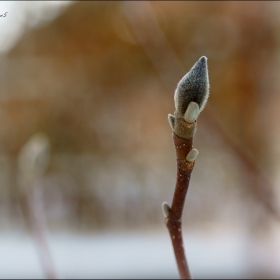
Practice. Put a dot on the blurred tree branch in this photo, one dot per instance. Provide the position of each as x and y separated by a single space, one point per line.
32 162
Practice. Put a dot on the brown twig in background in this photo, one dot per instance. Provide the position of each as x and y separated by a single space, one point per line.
259 183
153 41
33 161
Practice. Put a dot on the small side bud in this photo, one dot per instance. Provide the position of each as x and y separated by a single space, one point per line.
165 209
171 120
194 86
191 156
192 112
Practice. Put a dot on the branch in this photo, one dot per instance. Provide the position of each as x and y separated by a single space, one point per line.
190 98
33 161
174 214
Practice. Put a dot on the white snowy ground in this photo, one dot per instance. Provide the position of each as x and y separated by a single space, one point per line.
124 255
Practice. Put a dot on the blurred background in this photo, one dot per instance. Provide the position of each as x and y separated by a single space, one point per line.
86 87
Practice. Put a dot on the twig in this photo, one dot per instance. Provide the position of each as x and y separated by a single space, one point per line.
151 38
31 208
190 98
174 219
259 183
33 161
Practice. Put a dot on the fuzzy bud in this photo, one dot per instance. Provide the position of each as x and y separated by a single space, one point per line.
193 87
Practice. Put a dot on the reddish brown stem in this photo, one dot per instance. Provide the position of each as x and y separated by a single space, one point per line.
174 220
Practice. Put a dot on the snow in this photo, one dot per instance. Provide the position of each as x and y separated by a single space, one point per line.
123 255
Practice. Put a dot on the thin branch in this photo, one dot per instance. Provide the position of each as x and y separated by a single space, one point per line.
174 219
258 182
151 38
190 98
31 205
33 161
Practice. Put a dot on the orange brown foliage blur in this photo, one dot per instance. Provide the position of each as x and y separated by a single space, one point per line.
86 82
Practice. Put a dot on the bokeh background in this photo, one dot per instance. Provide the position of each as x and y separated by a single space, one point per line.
97 78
